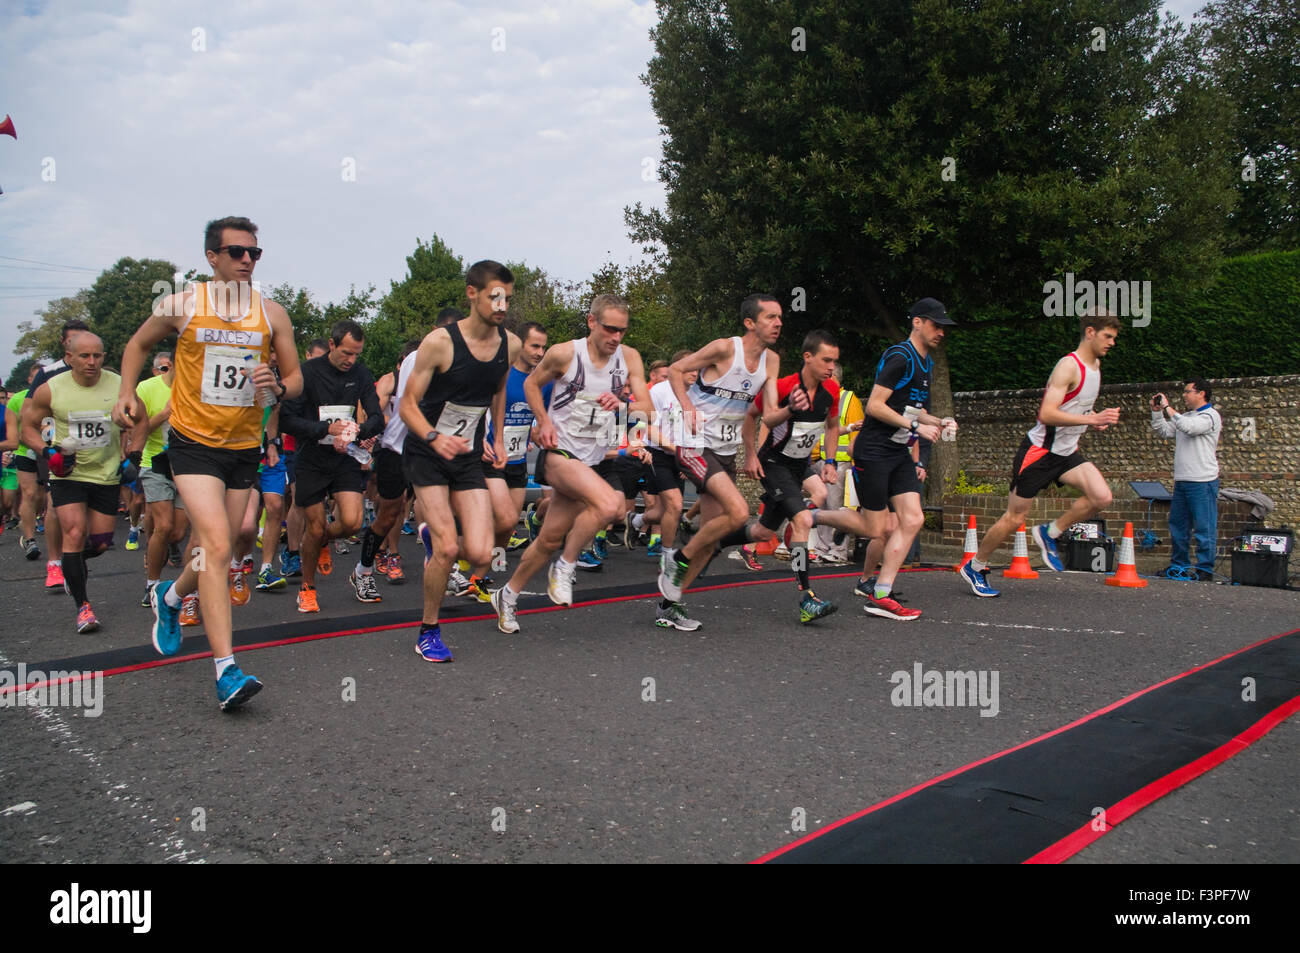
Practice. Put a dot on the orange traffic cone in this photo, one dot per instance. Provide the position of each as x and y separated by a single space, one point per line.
1020 568
1126 573
971 547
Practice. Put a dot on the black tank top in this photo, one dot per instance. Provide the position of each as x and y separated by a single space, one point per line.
469 382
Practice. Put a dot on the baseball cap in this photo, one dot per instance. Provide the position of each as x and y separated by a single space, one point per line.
933 309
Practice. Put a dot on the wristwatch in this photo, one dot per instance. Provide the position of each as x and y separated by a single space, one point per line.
915 423
431 436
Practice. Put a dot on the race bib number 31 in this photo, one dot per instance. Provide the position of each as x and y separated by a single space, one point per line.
224 382
517 441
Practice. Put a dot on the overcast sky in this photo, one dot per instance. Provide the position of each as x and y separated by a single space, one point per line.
515 130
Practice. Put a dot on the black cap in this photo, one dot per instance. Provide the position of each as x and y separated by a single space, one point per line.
933 309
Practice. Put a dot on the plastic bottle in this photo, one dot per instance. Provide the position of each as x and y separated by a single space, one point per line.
265 395
359 454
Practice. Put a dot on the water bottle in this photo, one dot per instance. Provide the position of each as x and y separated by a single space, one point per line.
362 456
265 395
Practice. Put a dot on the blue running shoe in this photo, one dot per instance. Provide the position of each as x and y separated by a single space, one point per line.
1047 546
133 539
426 540
534 525
978 580
268 579
430 647
166 621
588 561
408 528
600 546
655 549
295 566
234 688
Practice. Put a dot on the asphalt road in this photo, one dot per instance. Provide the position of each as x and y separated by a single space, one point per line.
592 735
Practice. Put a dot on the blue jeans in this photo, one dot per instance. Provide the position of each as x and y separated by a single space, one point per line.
1195 506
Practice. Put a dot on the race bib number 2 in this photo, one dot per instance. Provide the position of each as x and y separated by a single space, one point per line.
457 420
224 382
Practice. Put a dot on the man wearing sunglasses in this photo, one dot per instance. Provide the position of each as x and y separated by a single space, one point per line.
225 334
584 421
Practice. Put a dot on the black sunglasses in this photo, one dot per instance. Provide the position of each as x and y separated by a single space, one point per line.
611 329
237 251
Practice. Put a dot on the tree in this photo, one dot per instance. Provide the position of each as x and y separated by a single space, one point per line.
44 340
435 279
17 379
122 297
1255 57
853 157
552 304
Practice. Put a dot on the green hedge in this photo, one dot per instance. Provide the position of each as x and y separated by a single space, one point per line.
1246 323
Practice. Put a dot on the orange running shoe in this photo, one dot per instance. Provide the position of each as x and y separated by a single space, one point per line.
54 576
239 591
307 599
395 575
190 609
325 562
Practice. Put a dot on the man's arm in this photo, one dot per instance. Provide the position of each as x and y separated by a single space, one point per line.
164 320
1193 424
35 409
10 441
551 368
434 356
878 408
374 410
295 417
286 355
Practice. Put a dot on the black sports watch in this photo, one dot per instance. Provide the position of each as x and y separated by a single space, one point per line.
431 436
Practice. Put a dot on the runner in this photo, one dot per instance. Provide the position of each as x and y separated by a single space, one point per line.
323 422
166 514
886 471
507 487
84 458
291 558
716 421
666 475
31 487
834 547
807 408
582 424
225 333
1050 452
459 372
393 489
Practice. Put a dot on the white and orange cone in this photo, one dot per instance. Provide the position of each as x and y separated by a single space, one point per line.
1126 573
971 547
1020 568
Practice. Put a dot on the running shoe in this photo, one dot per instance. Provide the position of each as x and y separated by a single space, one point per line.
146 602
426 540
30 549
408 528
590 561
479 588
656 547
325 562
812 608
395 575
599 548
341 548
54 577
516 542
1047 546
132 539
166 632
889 608
867 588
307 599
246 566
534 525
268 580
979 580
457 584
294 568
234 688
506 620
354 539
675 617
190 609
559 585
86 621
782 551
630 533
381 562
365 586
40 526
430 647
743 554
174 557
671 578
239 592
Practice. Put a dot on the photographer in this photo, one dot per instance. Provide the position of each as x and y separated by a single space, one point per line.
1196 475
